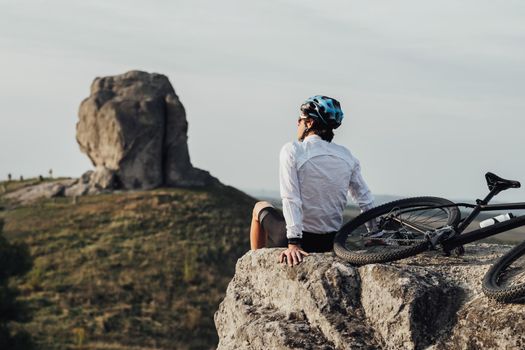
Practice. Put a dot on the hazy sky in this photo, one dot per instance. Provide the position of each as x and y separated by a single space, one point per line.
433 92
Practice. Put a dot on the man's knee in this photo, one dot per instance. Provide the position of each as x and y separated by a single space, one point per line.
259 206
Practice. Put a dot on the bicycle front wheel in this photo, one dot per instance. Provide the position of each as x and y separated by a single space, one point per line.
394 230
505 280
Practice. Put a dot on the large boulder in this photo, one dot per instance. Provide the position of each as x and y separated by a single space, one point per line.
133 128
425 302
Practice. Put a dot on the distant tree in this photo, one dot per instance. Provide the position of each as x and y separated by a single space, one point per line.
21 178
9 177
51 173
14 261
40 178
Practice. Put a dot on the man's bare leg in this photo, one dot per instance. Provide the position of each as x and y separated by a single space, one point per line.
258 238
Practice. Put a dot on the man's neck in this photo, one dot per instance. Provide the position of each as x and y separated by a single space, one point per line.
311 134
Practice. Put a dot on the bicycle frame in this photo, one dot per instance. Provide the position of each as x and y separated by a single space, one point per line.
481 205
469 237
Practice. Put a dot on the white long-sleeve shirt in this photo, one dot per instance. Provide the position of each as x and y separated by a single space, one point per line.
315 178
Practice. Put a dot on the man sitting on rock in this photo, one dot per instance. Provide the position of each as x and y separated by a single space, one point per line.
315 176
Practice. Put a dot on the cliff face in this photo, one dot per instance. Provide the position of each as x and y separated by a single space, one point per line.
426 302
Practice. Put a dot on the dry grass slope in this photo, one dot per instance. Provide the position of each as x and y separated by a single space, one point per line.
135 270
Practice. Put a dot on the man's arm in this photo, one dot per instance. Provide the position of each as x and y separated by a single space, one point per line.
290 195
359 191
292 207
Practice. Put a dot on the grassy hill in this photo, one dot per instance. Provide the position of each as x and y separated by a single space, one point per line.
130 270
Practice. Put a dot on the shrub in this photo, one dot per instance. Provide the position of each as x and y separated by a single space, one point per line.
14 261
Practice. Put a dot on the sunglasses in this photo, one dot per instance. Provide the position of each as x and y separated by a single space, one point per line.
300 119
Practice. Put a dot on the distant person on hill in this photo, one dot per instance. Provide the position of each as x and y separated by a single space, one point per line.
315 177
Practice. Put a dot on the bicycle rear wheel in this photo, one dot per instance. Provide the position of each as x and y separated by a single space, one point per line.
394 230
505 280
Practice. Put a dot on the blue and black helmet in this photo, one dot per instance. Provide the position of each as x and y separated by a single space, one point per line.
324 109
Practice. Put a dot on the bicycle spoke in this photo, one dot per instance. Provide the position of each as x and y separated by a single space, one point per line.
410 227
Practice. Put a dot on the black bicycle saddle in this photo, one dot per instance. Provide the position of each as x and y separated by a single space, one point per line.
500 184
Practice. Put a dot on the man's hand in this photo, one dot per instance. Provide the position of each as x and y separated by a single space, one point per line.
292 255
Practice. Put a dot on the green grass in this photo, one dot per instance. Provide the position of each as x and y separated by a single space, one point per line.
137 269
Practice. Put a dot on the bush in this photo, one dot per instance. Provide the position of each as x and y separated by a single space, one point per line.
14 261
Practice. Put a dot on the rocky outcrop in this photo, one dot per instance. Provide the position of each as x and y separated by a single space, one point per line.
133 127
50 189
425 302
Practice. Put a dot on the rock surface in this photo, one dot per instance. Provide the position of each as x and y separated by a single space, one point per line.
50 189
133 128
425 302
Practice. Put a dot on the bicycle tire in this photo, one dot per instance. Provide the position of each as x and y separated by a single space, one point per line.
495 279
377 254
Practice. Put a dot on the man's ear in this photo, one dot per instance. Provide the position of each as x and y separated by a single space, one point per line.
309 123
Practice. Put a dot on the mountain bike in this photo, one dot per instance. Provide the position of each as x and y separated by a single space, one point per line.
410 226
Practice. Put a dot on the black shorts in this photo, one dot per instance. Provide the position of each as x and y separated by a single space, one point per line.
273 223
